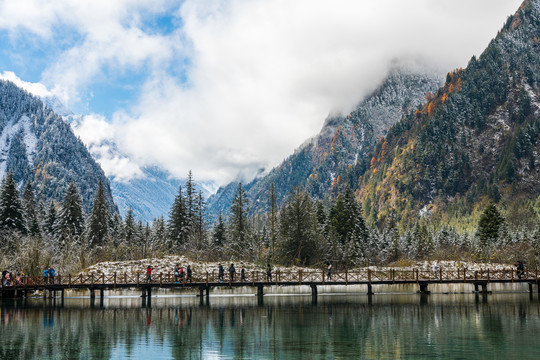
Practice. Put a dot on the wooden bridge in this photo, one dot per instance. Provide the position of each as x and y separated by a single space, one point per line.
51 287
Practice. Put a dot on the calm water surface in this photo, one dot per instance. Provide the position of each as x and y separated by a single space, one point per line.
437 326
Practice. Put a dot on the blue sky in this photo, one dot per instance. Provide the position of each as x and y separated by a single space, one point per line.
225 87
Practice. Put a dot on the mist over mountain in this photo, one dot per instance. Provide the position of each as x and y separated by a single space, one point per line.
343 142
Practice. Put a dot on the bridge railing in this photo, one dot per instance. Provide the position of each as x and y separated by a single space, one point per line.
278 277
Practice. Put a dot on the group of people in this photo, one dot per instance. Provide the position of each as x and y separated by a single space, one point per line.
232 273
180 274
10 278
48 275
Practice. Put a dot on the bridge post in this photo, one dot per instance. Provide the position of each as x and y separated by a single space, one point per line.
92 293
476 287
143 295
369 289
484 287
424 288
101 294
201 292
260 291
313 290
530 288
207 293
149 291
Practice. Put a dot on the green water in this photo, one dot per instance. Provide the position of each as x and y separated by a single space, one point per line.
437 326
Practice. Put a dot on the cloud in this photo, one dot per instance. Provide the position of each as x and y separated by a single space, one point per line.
237 85
37 89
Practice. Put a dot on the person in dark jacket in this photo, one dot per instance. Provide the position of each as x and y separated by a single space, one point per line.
232 271
51 274
520 269
268 273
189 273
242 274
221 273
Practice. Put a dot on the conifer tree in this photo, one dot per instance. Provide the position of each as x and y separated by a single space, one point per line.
70 222
273 222
238 228
98 222
159 234
219 235
130 230
29 205
11 208
178 226
190 203
489 225
297 229
50 220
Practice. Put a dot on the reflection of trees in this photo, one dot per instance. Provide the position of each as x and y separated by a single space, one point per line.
280 328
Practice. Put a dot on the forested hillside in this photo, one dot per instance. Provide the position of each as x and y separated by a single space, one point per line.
476 139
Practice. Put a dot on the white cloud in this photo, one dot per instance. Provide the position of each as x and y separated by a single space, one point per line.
261 75
37 89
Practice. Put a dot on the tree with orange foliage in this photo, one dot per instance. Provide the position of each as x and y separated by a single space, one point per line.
373 163
384 149
430 109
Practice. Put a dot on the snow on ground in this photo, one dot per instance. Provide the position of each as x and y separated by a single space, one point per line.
167 264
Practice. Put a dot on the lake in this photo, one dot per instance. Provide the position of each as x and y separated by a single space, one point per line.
330 326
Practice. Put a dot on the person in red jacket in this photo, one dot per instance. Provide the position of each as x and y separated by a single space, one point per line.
148 273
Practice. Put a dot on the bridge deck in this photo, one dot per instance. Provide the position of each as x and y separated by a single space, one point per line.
281 278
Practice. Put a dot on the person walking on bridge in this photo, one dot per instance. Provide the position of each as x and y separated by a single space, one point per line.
268 273
436 269
51 274
221 272
189 273
149 273
46 275
232 271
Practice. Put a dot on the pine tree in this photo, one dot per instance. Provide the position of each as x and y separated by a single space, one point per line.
273 222
238 228
29 205
489 225
50 220
131 238
198 227
11 208
190 202
178 226
219 236
356 244
297 229
159 234
70 222
98 222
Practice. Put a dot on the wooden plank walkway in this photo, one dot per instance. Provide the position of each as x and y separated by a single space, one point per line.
204 282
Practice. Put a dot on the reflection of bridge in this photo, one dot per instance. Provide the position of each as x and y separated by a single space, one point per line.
204 282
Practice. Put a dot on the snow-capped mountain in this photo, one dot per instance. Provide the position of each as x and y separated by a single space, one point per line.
41 149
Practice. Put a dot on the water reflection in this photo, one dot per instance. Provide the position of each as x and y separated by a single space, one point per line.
343 326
